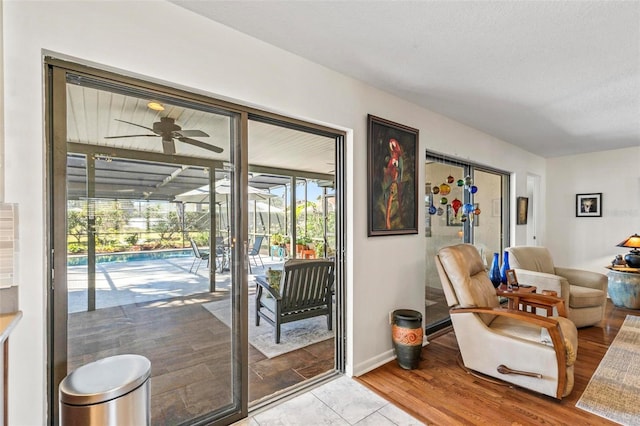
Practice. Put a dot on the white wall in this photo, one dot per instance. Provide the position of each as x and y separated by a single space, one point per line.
383 273
590 242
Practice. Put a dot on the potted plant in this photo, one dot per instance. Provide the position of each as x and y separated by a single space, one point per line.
277 245
286 240
277 239
301 244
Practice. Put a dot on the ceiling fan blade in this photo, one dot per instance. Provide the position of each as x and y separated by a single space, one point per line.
200 144
191 134
134 124
129 136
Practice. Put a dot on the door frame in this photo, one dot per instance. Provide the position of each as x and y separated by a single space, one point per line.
55 71
57 150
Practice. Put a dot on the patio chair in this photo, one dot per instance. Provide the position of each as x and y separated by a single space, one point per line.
255 251
199 256
223 261
304 291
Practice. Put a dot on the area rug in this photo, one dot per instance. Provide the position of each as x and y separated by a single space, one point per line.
614 390
293 335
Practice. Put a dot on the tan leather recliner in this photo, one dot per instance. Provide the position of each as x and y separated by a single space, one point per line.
538 352
584 292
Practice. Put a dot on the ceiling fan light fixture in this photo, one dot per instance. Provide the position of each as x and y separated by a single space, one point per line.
156 106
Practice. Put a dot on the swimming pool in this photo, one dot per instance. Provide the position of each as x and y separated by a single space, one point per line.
130 256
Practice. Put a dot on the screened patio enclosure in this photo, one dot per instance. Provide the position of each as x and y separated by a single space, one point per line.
141 205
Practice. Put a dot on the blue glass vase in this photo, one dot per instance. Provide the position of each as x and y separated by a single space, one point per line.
494 270
505 267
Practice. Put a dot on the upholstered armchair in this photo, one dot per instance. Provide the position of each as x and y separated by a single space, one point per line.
584 292
522 348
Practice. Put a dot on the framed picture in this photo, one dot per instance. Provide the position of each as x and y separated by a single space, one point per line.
523 209
589 205
512 280
392 178
454 219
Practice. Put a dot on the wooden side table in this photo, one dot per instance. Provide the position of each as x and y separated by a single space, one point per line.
525 299
514 302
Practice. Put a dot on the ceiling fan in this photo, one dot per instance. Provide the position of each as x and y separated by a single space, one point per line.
169 130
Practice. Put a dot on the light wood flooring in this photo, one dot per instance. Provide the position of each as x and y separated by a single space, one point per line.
440 392
189 350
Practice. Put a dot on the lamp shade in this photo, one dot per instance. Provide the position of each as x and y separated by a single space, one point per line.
633 242
633 257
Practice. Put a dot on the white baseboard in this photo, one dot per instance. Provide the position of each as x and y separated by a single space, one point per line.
375 362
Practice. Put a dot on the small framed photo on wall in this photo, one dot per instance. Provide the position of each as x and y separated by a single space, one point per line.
589 205
523 210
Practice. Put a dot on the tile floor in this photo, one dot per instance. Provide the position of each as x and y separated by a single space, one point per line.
340 402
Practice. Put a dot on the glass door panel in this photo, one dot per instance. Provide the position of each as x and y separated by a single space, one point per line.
463 204
488 238
291 204
151 266
444 228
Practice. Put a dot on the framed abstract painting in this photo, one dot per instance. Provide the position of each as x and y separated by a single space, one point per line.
392 178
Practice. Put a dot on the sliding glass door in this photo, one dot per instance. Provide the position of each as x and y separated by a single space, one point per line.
142 265
158 198
464 203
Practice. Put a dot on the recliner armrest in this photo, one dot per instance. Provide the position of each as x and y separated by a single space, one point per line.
584 278
539 300
544 281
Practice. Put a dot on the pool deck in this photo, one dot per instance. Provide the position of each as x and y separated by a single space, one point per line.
139 281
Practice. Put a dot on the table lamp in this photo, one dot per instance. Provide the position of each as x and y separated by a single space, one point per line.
633 257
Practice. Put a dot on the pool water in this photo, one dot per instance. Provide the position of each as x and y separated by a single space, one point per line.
132 256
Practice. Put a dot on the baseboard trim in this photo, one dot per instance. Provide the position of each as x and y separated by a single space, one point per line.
373 363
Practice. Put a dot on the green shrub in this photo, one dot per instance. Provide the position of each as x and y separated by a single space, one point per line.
202 239
75 248
132 240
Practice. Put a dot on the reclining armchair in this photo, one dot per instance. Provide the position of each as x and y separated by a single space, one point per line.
527 350
584 292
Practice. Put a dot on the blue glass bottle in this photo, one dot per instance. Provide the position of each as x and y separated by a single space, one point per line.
505 267
494 270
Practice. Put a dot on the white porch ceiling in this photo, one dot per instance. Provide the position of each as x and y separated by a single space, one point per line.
94 115
553 77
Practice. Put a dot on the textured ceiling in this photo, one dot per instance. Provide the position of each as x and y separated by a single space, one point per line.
553 77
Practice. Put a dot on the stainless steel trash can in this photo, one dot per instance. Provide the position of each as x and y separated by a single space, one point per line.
111 391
